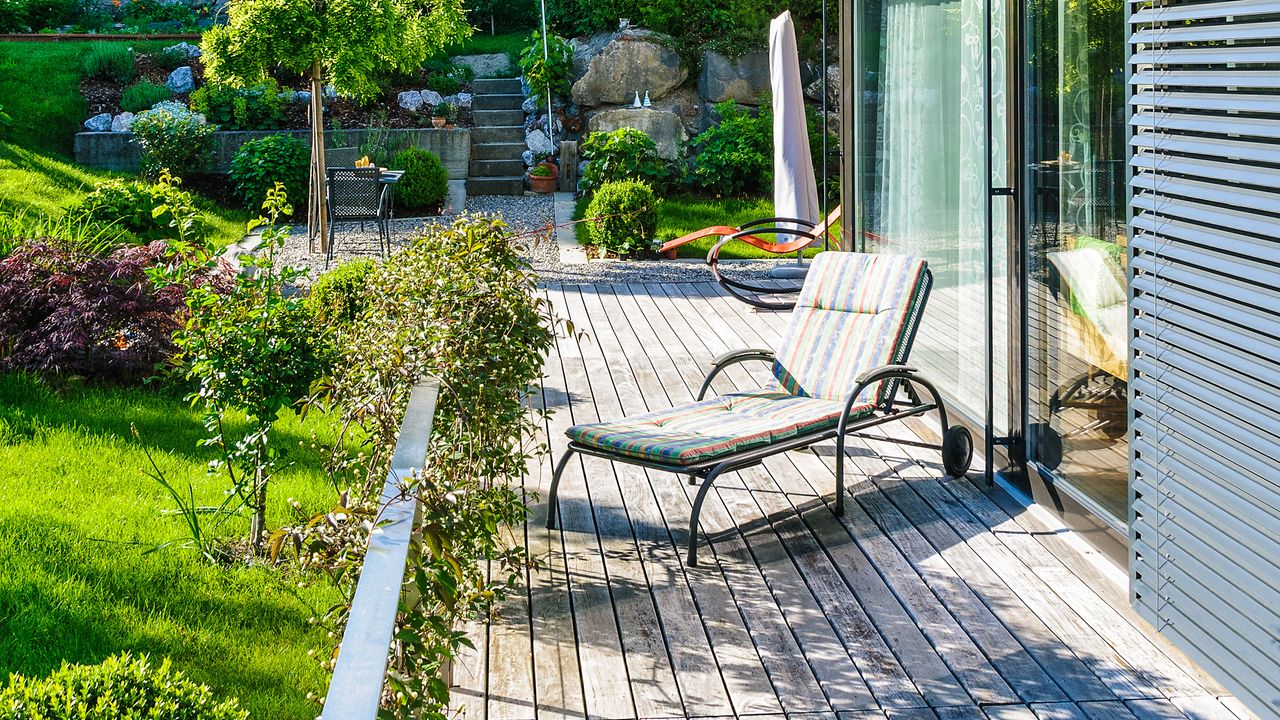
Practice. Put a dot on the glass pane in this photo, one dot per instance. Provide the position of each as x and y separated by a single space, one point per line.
1076 285
922 174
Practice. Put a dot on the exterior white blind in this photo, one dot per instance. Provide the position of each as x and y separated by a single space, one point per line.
1204 81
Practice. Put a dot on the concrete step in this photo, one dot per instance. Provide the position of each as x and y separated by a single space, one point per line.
497 150
487 118
495 186
505 101
496 168
498 134
505 86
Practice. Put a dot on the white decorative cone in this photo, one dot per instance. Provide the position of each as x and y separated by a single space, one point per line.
795 188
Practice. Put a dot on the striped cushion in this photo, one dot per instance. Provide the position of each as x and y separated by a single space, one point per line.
710 428
856 312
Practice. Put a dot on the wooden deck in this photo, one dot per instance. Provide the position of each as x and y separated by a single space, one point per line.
931 598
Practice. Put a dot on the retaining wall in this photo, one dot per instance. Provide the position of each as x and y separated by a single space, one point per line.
116 151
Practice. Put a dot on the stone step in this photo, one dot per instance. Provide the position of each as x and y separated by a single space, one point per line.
490 118
505 86
496 168
498 134
504 101
495 186
497 150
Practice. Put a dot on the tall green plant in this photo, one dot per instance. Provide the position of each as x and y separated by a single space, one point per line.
550 73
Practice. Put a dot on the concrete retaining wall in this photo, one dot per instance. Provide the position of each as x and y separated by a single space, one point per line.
116 151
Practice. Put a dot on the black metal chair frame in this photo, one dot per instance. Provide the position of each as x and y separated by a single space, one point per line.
956 447
381 216
747 292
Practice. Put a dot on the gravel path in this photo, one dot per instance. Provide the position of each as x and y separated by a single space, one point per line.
530 217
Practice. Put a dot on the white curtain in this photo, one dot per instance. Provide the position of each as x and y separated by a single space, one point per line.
929 194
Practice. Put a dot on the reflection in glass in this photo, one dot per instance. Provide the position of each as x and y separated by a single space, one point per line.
1076 286
923 187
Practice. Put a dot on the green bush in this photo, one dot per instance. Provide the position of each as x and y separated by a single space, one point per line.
121 688
171 58
338 297
174 138
109 61
259 164
148 211
142 95
553 72
425 183
42 14
13 16
256 107
624 154
623 217
735 156
446 78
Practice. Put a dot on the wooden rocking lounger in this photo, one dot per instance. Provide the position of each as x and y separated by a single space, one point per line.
835 374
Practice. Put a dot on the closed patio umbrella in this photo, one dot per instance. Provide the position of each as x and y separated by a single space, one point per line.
795 189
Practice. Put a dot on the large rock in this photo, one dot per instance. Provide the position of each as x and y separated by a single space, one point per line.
181 80
629 64
410 100
742 80
432 98
98 123
186 48
486 66
664 127
121 122
538 142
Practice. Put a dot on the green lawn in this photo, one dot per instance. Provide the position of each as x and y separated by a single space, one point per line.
683 214
482 43
40 90
79 524
35 182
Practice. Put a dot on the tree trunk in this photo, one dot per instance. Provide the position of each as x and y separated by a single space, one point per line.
318 204
258 523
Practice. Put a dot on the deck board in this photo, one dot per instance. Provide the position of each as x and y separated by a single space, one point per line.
931 599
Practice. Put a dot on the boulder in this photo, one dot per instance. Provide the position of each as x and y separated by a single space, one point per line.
302 97
410 100
461 100
485 66
814 89
432 98
538 142
121 122
527 158
186 48
742 80
98 123
530 105
629 64
181 80
664 127
330 92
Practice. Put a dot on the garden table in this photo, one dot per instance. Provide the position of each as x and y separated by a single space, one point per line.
390 177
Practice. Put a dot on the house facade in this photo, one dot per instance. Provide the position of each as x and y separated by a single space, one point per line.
1095 186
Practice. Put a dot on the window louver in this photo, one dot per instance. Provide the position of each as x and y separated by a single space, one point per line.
1205 324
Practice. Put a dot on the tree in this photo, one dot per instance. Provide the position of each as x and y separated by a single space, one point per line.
347 44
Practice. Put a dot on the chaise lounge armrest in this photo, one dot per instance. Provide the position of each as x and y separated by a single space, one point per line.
733 357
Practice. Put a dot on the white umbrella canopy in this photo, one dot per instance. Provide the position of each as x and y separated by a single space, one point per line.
795 188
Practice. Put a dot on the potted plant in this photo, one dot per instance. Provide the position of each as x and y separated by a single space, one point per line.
441 114
542 178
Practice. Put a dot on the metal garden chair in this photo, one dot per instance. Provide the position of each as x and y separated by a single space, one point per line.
835 374
356 194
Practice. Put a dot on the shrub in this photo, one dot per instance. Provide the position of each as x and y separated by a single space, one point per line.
337 298
446 78
43 14
109 61
735 156
624 154
174 138
623 217
69 312
171 58
142 95
148 211
252 108
13 16
425 183
553 73
259 164
121 688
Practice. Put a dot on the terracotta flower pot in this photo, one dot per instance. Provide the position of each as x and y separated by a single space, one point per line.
438 122
542 183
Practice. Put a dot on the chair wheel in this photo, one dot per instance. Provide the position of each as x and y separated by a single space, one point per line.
1045 445
957 450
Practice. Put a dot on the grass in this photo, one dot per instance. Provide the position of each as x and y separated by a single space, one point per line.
34 182
683 214
47 114
482 43
79 528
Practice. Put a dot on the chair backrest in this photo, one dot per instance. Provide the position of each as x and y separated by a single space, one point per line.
354 193
341 157
856 312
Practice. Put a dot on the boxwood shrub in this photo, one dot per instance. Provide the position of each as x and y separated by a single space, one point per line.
337 297
623 217
259 164
425 183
